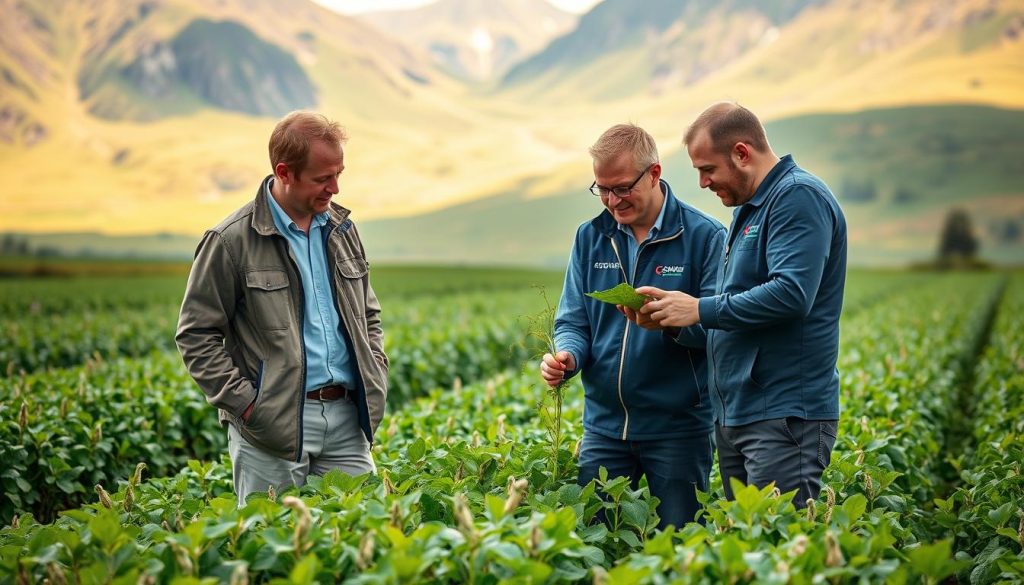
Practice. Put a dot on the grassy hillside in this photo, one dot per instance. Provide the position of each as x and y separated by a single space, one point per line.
421 141
785 55
919 162
175 162
896 172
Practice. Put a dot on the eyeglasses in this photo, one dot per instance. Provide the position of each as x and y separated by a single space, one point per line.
620 192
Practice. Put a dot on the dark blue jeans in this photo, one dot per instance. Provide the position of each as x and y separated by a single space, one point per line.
792 452
675 469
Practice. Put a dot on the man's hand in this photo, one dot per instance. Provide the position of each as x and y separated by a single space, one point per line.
554 367
670 308
640 318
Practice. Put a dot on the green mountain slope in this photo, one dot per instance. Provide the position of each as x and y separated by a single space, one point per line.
917 162
617 26
787 55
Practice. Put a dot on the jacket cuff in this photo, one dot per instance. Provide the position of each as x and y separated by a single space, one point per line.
707 310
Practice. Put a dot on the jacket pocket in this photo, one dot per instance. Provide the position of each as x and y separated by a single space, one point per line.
269 297
258 385
355 267
736 379
351 288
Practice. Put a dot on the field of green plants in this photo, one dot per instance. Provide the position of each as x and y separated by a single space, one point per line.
112 465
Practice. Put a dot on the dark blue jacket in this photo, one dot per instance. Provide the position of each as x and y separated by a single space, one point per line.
773 323
640 384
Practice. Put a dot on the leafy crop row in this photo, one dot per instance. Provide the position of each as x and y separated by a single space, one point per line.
466 493
90 424
986 512
57 323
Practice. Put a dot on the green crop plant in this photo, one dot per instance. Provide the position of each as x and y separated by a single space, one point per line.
542 328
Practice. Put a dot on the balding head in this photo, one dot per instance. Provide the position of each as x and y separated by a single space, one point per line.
728 123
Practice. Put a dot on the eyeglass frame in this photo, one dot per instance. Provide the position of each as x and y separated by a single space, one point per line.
596 189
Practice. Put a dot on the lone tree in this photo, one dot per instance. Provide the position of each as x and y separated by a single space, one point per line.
958 244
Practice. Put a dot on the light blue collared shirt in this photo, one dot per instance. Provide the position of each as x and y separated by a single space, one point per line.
634 246
327 355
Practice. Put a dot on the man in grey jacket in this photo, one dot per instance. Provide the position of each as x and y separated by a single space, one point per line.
280 327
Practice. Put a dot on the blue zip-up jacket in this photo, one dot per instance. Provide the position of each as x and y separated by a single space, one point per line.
640 384
773 322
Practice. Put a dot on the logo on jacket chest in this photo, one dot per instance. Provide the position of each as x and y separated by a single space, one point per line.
665 270
751 231
606 266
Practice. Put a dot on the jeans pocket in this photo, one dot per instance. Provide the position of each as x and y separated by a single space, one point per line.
787 424
827 432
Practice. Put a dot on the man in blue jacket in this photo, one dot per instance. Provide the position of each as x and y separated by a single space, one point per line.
646 407
773 321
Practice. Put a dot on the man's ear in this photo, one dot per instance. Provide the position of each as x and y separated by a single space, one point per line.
741 153
656 172
283 173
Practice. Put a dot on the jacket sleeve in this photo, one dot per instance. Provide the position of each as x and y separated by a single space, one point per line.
206 314
796 249
572 325
696 336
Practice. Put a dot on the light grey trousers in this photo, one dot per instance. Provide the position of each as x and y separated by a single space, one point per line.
331 439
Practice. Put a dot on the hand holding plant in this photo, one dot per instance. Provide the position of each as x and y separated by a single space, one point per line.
554 365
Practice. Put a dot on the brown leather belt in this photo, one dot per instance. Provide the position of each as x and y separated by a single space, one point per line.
327 393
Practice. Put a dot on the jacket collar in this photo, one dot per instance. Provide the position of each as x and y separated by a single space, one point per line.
263 216
767 185
670 224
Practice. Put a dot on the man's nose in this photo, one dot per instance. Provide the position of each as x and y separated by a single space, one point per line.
332 187
704 182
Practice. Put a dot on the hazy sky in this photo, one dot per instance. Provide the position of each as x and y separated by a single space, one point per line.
353 6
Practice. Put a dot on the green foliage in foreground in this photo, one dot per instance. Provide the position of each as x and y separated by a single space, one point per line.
92 424
466 493
477 504
986 513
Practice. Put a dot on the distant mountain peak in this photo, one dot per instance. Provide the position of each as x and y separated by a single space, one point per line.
216 62
473 39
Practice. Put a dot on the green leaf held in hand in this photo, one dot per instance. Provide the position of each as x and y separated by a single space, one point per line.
621 294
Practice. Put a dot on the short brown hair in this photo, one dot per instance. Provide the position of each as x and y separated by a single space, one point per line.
728 123
291 138
626 138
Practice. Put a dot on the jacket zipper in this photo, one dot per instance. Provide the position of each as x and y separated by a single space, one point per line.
259 379
302 344
625 332
714 373
625 337
357 371
730 240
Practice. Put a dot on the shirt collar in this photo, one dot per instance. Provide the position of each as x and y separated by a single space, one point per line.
768 183
656 228
281 219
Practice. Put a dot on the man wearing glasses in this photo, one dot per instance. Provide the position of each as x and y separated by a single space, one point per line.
646 409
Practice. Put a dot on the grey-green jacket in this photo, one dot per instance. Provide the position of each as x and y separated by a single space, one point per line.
240 328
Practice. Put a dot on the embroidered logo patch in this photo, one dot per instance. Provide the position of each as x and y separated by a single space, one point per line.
606 266
669 270
751 231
